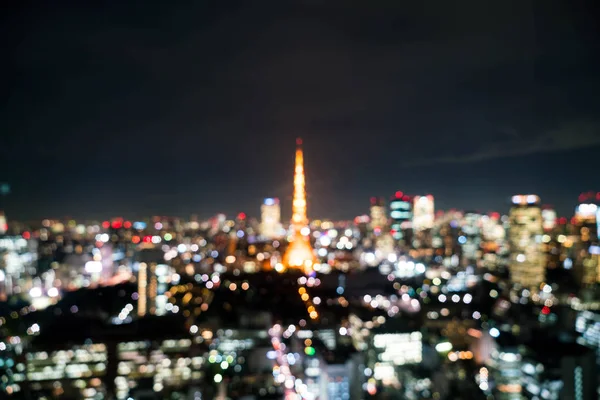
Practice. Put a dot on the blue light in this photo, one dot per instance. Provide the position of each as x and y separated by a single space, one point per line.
462 240
139 225
340 290
269 201
568 264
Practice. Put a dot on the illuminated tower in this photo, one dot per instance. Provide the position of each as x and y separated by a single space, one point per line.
299 253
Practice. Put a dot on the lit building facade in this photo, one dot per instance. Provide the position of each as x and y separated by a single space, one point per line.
507 375
548 218
147 289
270 224
3 224
423 212
400 215
585 220
471 238
395 350
586 260
77 372
378 218
527 263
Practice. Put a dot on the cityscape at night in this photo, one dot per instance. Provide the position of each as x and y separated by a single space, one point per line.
300 200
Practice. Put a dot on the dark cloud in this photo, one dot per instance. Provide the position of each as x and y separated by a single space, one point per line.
572 136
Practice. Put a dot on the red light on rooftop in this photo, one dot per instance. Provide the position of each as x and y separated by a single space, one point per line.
26 235
399 194
135 239
406 198
373 200
242 215
106 224
545 310
117 224
147 239
299 141
562 220
495 215
127 224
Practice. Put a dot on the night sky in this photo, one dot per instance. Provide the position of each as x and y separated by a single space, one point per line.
142 109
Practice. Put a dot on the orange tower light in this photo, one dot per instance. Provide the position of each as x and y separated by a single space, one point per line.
299 253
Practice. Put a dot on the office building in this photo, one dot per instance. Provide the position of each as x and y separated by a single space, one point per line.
527 263
400 215
470 240
270 223
378 217
423 212
3 224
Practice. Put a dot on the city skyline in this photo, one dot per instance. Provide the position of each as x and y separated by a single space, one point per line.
300 200
322 204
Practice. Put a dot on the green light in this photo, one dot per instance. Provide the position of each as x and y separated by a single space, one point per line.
310 351
212 359
168 236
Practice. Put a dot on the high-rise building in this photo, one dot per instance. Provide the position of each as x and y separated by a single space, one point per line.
400 215
506 372
378 218
270 224
423 212
585 260
548 218
527 260
148 270
299 253
585 221
142 278
471 238
3 224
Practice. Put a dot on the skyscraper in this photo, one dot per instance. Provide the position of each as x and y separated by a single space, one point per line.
147 289
270 224
378 218
299 253
400 215
527 260
423 212
3 225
